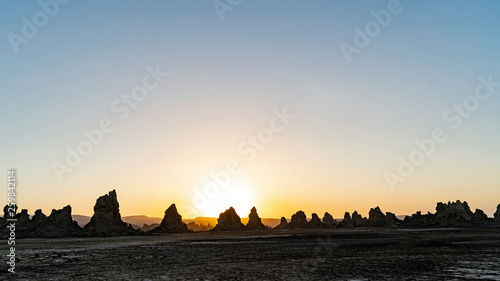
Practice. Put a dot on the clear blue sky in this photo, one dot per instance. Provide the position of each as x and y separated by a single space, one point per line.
353 119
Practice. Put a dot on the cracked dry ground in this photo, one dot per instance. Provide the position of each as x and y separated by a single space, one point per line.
339 254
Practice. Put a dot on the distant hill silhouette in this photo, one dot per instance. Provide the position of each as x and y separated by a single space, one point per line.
81 220
136 221
213 221
139 220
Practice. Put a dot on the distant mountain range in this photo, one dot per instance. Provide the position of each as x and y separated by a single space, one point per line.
213 221
139 220
136 221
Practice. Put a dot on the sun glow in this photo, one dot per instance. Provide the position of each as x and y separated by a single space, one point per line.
236 195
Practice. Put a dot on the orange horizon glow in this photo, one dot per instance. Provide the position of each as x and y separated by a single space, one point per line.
274 209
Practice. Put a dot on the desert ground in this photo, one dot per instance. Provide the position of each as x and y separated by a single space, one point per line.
333 254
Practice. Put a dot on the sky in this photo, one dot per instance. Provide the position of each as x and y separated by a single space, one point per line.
313 105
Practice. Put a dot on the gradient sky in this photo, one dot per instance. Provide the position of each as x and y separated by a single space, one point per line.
352 120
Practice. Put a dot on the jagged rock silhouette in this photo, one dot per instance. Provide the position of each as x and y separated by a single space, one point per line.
328 220
171 223
107 220
359 220
419 220
298 221
347 221
497 214
254 221
229 220
479 217
453 213
391 219
450 214
283 223
315 222
24 227
58 224
377 218
355 221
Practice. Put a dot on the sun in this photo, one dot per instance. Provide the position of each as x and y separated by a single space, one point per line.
237 195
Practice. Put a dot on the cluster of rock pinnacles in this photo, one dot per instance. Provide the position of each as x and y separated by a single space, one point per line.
107 220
